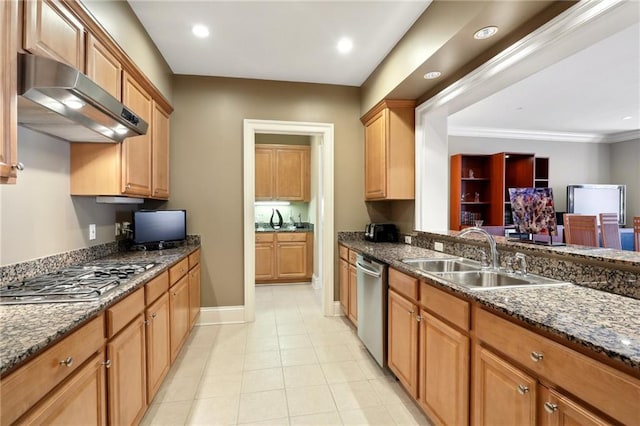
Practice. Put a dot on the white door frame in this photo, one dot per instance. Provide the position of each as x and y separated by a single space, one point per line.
325 204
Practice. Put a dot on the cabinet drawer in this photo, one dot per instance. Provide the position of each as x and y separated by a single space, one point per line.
403 284
178 270
154 288
23 388
124 312
604 387
292 236
264 238
353 256
194 258
449 307
344 252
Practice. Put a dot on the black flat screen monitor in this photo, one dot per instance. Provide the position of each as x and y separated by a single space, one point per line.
159 226
533 211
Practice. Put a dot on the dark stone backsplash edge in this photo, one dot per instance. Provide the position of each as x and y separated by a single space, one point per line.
24 270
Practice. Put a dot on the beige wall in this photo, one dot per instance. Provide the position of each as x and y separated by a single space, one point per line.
123 25
206 162
38 217
625 169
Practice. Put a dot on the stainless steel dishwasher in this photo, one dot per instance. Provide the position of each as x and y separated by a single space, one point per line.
372 307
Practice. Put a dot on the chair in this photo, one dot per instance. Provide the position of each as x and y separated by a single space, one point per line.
581 229
636 232
609 231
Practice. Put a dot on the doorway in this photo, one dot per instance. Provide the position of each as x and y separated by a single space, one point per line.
322 144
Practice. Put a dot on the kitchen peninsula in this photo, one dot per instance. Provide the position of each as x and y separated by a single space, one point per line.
574 345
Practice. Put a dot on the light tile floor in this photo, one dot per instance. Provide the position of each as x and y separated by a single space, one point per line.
292 366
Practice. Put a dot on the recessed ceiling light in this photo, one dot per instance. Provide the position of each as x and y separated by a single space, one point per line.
432 74
486 32
200 31
345 45
628 117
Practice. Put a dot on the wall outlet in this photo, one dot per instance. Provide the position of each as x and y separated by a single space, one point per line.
407 239
92 231
438 246
118 229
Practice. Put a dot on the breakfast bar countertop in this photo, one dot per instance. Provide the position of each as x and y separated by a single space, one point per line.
598 321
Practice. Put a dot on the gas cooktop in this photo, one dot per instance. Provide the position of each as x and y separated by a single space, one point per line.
72 284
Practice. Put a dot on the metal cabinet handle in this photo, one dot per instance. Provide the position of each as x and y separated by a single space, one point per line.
522 389
106 364
67 362
18 166
147 322
128 186
153 315
536 356
418 318
550 407
411 312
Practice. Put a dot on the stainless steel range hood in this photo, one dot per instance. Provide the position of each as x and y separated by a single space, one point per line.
60 101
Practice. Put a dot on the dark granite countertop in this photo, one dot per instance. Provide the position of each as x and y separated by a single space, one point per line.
265 227
601 322
27 329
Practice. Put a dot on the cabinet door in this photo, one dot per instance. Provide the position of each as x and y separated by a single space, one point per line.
292 180
80 401
265 261
353 294
8 90
555 409
160 153
194 295
179 314
402 340
291 259
375 158
444 371
158 348
265 173
51 30
127 374
344 286
103 67
136 151
502 394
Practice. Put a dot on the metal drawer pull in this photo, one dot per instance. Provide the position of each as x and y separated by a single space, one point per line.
147 322
106 364
18 166
410 312
536 356
550 407
153 315
522 389
67 362
418 318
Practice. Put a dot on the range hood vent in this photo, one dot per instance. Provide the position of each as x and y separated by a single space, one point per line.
60 101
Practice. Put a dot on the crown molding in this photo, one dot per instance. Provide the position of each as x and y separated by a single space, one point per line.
539 135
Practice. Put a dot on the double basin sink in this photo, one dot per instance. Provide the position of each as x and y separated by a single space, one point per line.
472 275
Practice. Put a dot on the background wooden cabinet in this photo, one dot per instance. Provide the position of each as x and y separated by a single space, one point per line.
291 255
51 30
390 151
103 67
283 172
8 90
265 256
283 257
348 284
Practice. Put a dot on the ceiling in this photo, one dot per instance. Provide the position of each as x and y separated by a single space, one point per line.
278 40
584 97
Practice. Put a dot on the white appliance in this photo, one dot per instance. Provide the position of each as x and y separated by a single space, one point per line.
372 307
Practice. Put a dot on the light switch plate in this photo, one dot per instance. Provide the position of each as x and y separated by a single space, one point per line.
407 239
92 231
438 246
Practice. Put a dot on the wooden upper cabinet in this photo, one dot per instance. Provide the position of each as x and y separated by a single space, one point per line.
160 153
390 151
103 67
8 90
136 151
283 172
51 30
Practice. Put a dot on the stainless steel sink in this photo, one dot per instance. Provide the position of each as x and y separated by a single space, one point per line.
458 270
454 264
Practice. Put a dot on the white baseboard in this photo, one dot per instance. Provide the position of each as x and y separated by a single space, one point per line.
337 310
316 283
221 315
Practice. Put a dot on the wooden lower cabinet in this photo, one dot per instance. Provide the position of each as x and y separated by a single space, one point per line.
127 374
555 409
502 393
443 371
194 295
158 346
265 261
353 294
291 259
179 314
80 401
402 338
283 257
